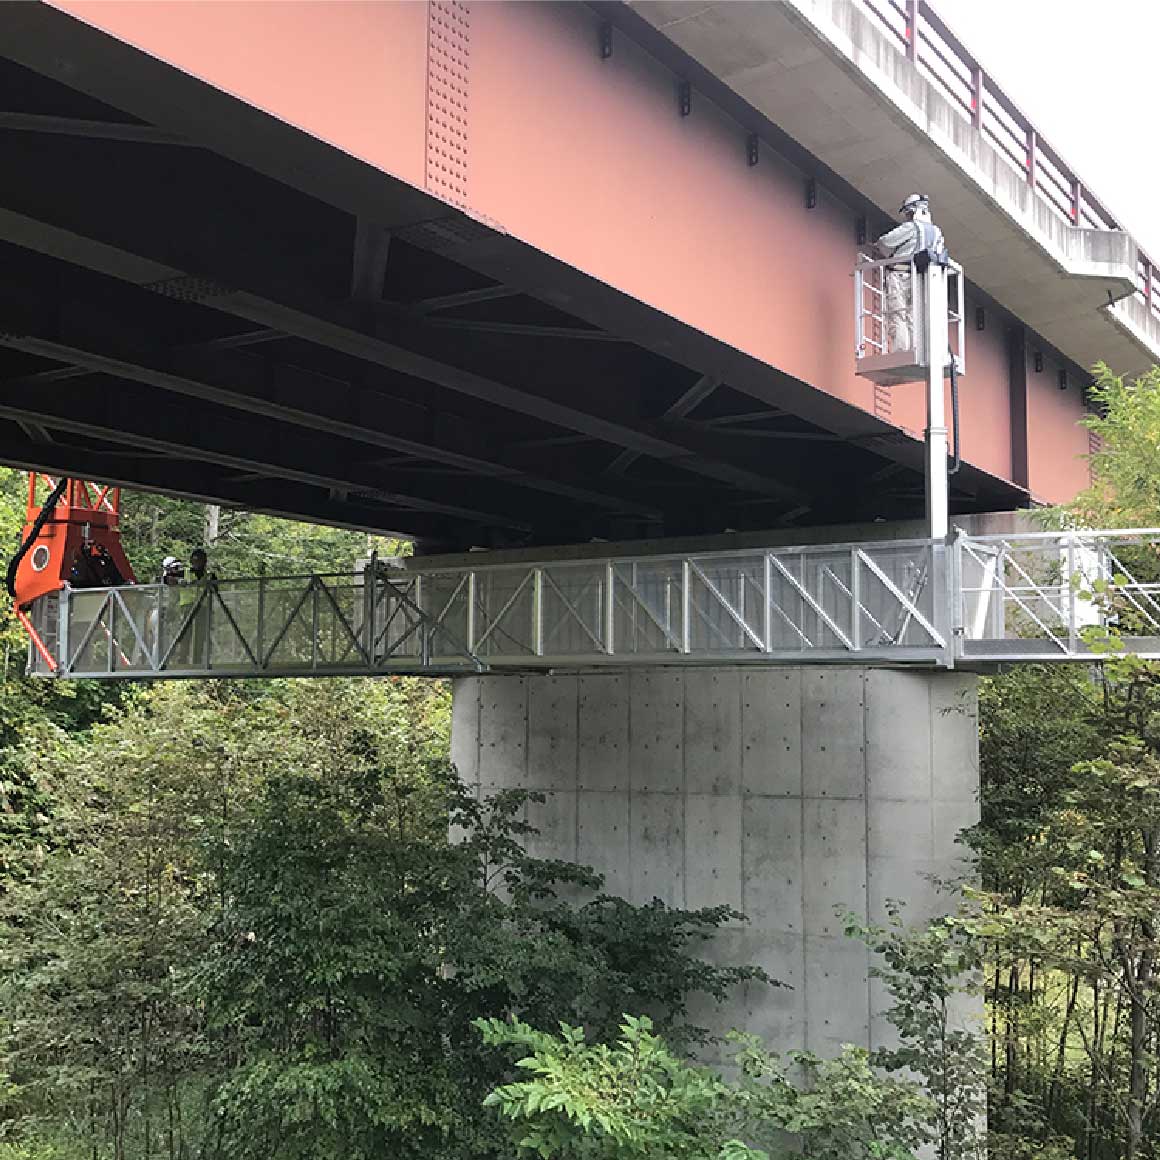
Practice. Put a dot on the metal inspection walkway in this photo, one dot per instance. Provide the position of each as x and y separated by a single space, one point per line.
974 602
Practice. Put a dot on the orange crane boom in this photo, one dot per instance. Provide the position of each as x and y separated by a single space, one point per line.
71 538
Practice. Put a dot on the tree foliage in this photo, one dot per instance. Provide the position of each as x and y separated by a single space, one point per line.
1125 466
1073 931
239 543
32 713
252 937
636 1098
1068 847
930 973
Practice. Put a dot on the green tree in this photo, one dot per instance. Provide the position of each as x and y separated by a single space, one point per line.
239 542
1068 775
356 950
253 938
100 1041
635 1098
105 1036
1037 722
1125 467
1094 922
32 713
930 972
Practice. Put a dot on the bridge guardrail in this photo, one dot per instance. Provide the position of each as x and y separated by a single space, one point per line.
930 44
875 603
833 602
347 624
976 601
1049 596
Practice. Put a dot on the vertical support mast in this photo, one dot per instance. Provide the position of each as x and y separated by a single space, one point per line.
934 300
920 354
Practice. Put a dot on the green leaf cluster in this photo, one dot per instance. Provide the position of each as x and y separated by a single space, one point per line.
635 1098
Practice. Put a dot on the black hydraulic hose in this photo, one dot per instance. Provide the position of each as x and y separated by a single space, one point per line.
46 510
956 459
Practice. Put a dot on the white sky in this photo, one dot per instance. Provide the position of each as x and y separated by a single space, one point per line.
1088 77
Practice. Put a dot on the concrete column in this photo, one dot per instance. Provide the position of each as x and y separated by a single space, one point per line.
782 792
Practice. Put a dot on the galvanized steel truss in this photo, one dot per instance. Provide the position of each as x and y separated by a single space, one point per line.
267 626
1050 596
976 601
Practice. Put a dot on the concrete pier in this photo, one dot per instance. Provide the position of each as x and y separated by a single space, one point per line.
782 792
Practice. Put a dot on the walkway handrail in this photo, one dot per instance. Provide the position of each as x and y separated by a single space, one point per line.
1090 535
929 43
975 601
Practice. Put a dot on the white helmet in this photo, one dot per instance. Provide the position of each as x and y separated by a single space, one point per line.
913 204
169 563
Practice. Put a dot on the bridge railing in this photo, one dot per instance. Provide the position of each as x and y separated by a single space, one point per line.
975 601
872 602
263 626
929 43
834 602
882 602
1049 596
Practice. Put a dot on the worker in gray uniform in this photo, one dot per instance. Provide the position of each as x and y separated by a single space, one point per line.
917 235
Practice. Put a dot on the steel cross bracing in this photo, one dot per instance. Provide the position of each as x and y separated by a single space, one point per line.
314 625
975 601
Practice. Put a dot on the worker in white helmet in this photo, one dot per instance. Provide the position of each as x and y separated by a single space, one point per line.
917 235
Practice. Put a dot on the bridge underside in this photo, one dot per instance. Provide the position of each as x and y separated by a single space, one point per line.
300 334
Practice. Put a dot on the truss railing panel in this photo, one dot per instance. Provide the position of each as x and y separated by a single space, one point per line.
277 626
977 601
1048 596
877 602
874 603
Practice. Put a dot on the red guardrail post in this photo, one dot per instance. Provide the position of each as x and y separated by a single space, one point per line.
912 29
977 86
1031 143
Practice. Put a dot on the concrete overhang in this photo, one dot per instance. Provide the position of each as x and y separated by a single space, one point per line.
831 79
